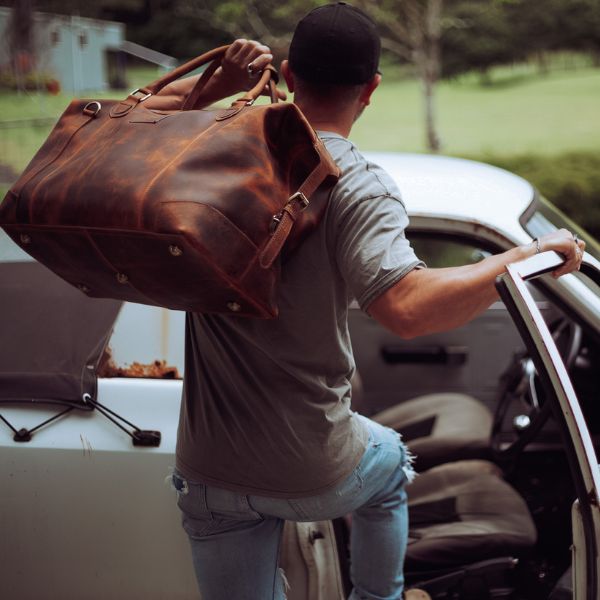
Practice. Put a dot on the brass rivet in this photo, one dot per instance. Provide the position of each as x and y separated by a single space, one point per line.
275 222
84 288
25 239
175 250
122 278
234 306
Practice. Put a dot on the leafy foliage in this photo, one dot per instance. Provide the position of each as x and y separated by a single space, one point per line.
478 36
571 181
484 33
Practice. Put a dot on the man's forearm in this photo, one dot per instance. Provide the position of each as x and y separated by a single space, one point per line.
431 300
172 96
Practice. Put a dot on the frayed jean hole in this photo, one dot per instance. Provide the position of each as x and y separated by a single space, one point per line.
181 485
177 483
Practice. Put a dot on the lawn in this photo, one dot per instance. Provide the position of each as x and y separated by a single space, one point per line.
549 114
519 112
28 117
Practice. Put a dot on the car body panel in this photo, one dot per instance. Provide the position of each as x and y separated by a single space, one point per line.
88 515
457 189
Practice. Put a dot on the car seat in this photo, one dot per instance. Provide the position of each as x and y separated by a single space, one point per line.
463 512
441 427
468 528
437 427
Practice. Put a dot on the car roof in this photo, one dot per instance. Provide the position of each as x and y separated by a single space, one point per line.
457 188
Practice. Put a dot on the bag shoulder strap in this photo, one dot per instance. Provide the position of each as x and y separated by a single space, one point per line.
297 203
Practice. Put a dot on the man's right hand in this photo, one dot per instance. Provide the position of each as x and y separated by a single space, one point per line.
565 243
233 76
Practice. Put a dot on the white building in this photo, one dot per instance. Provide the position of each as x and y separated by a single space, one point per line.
74 50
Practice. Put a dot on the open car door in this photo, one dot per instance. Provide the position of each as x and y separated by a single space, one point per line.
564 405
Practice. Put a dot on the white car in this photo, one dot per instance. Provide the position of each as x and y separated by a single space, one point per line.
506 506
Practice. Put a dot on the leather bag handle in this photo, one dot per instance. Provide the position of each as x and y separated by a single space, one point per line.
184 69
215 56
268 77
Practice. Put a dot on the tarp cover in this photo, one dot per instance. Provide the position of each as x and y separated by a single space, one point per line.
51 335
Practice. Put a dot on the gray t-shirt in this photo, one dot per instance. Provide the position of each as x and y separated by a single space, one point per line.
266 403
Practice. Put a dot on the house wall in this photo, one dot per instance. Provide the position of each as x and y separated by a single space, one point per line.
72 49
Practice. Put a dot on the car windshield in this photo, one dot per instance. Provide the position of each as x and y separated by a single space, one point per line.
542 217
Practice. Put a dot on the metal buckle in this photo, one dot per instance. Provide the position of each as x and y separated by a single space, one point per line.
91 109
145 95
247 101
301 198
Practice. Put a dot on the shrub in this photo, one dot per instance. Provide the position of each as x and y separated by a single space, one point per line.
571 181
33 80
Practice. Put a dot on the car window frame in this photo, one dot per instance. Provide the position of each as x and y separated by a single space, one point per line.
565 407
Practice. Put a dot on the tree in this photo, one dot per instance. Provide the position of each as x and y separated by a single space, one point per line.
558 25
22 51
269 21
481 37
412 30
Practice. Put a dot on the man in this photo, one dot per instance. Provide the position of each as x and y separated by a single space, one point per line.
266 431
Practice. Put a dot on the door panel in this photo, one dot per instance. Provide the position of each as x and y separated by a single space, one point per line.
469 359
466 360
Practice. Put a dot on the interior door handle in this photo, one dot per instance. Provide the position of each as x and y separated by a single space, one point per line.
438 355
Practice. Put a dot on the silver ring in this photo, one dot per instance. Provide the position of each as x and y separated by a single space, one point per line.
250 69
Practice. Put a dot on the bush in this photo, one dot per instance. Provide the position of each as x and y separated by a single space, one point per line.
571 181
33 81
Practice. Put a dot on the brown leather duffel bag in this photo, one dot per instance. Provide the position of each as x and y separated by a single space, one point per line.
186 209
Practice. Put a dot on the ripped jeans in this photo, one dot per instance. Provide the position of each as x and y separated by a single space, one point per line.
235 538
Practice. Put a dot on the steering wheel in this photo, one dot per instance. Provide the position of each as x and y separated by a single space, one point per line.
520 384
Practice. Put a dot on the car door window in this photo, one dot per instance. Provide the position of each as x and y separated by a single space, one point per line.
438 251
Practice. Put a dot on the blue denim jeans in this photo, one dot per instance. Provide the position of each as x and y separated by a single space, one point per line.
235 537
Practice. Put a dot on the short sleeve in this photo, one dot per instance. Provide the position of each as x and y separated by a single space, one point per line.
367 222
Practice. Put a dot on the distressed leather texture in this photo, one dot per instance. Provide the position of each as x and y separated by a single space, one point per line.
172 208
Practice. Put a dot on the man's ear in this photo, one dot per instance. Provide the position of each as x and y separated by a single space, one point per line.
287 75
368 89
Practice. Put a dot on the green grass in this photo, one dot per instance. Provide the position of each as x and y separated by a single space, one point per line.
517 113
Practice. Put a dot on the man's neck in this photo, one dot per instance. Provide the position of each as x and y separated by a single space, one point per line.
340 123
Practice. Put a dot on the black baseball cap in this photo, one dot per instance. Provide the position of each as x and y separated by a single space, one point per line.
335 43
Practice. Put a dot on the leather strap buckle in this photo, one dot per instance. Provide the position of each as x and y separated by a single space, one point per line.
301 198
145 95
